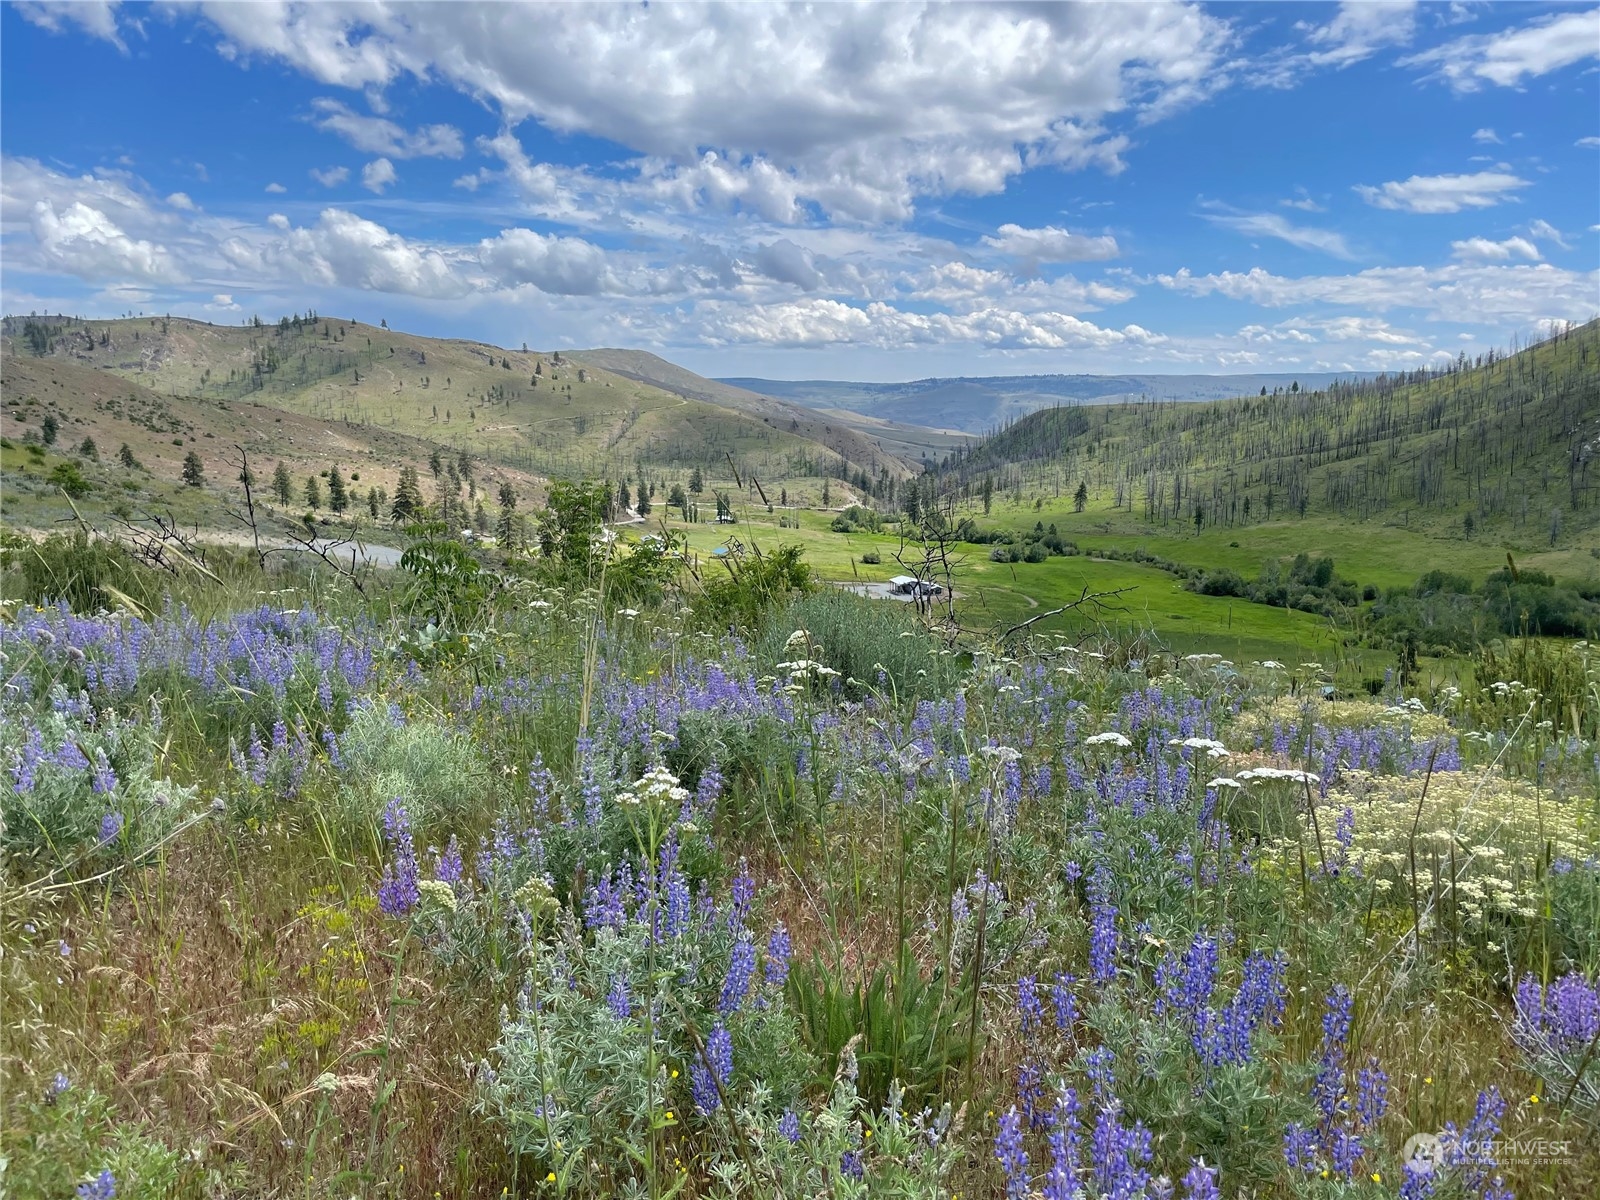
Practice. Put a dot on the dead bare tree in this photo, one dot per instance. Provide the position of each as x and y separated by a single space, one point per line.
248 517
1090 600
160 543
330 551
927 554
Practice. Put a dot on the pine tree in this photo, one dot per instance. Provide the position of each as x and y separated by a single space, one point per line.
697 483
313 492
126 458
435 463
505 528
282 484
827 492
338 497
407 496
49 428
194 471
1080 498
89 450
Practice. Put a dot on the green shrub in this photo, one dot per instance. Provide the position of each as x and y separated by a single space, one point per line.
436 773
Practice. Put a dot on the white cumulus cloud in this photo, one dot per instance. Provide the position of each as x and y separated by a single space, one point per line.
377 175
1443 193
1508 58
1050 244
330 176
381 136
1485 250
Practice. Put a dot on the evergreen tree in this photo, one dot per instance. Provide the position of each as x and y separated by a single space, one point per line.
505 529
313 492
338 497
622 497
1080 498
49 428
676 498
126 458
194 471
827 492
988 493
435 463
372 502
282 484
89 450
697 483
407 496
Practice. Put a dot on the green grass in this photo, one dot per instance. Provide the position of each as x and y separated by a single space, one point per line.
1381 552
1003 594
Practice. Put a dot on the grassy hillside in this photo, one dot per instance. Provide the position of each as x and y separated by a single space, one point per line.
1507 449
160 431
856 436
536 411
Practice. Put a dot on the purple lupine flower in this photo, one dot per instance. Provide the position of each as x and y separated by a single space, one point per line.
102 1187
1061 1181
1470 1152
741 971
1030 1091
1300 1146
789 1126
850 1164
1103 942
58 1084
618 999
449 869
397 891
1065 1004
741 895
1013 1158
1100 1065
542 784
1345 1150
103 779
1328 1090
110 827
1117 1153
704 1084
1029 1007
1201 1182
1372 1092
778 952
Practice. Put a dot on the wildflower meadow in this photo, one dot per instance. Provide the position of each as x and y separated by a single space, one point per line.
580 875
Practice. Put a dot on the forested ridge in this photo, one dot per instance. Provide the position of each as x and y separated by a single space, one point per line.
1510 439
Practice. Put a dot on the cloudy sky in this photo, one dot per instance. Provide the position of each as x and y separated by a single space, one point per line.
885 191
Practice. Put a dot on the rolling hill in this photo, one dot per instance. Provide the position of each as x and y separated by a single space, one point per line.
984 404
913 440
1510 444
538 412
93 406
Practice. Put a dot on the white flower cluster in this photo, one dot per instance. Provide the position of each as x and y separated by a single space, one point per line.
802 667
656 786
1005 754
1277 773
1212 747
1111 738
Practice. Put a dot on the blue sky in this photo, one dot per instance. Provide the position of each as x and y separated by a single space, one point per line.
872 192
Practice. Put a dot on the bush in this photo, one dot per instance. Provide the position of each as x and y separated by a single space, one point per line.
861 639
435 772
71 567
872 558
84 784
